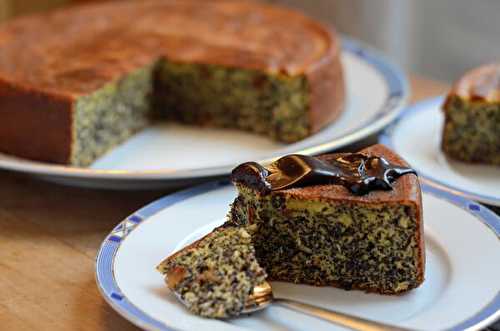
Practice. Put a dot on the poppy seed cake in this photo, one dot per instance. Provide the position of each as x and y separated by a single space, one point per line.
215 275
349 220
471 130
325 235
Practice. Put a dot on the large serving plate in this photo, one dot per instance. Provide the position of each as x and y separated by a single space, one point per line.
173 155
461 290
416 136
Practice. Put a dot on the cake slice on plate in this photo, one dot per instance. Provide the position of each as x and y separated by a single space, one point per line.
348 220
352 231
471 130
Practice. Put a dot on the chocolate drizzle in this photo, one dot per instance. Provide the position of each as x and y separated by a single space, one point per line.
359 173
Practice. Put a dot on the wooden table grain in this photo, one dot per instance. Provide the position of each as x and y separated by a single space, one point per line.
49 236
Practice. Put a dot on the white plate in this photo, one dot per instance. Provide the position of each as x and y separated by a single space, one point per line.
416 136
461 290
174 155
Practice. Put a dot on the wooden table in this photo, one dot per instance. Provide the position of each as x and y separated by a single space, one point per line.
49 236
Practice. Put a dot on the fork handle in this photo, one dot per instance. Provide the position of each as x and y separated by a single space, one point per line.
349 321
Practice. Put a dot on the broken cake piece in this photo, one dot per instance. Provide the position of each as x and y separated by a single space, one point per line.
215 275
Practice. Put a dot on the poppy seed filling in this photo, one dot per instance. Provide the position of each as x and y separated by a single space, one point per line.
370 247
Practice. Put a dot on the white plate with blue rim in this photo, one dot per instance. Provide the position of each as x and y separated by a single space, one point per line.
416 136
175 155
461 290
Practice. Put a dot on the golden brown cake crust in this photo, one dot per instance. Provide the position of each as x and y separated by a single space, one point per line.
79 49
24 129
480 84
52 59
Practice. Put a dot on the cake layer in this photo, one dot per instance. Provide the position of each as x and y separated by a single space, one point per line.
325 235
471 131
50 61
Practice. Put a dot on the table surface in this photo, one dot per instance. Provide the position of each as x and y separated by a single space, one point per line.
49 237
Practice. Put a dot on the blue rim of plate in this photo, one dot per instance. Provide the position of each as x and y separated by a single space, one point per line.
396 98
111 292
386 139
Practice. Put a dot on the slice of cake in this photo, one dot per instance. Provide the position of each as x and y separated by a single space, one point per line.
471 130
215 276
352 221
76 82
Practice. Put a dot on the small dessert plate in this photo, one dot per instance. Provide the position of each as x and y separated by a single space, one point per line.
175 155
416 136
461 290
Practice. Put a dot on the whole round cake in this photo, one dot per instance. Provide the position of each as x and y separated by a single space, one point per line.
76 82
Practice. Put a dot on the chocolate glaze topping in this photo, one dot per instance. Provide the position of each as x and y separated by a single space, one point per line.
359 173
